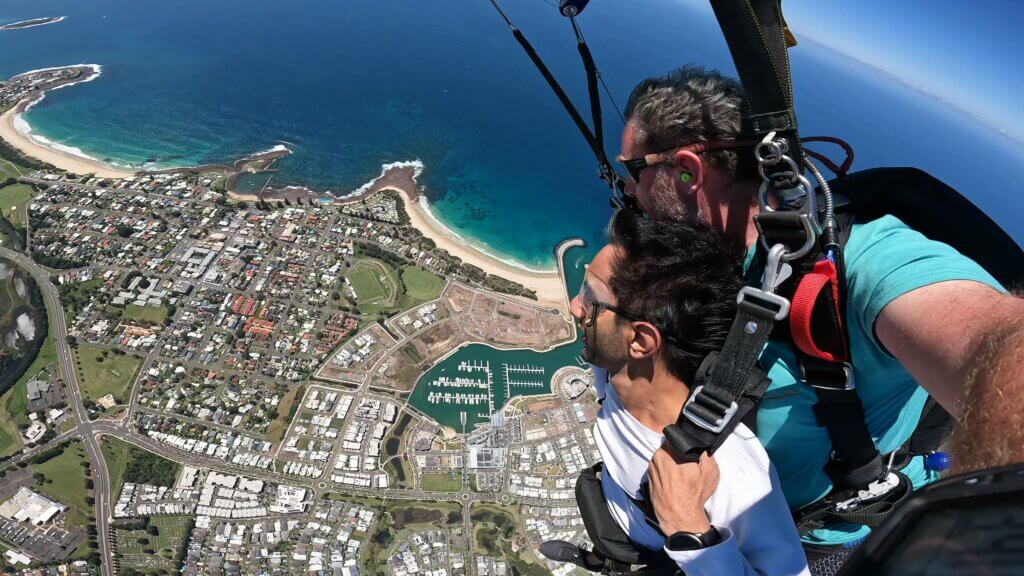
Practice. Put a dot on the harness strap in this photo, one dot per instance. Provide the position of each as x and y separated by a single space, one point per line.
816 327
818 291
727 385
758 41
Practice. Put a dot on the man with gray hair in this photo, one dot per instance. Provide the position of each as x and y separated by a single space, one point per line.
688 152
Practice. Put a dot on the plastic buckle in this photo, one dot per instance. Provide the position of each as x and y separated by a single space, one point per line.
778 306
716 426
848 381
875 490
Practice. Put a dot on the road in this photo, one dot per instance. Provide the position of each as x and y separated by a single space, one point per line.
100 475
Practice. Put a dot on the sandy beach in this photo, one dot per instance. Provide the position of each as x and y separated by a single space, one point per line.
548 285
62 160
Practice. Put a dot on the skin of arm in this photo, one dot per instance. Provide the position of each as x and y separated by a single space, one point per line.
679 491
964 343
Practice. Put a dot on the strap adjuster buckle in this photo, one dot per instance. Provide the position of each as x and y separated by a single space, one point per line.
849 383
692 412
875 490
777 306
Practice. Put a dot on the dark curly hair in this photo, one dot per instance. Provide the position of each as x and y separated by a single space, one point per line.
682 277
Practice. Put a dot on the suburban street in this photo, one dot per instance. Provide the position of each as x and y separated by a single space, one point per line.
101 479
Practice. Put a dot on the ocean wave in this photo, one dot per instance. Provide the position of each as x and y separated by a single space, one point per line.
22 126
416 165
278 148
96 68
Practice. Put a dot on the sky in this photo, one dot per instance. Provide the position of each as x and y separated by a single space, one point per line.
965 53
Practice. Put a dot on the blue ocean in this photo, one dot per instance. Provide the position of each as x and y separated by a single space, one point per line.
351 85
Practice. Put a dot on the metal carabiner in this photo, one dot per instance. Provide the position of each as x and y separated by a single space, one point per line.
776 271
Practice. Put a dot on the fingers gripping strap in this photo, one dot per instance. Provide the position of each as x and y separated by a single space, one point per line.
808 299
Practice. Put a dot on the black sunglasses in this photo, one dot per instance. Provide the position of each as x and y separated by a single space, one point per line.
633 166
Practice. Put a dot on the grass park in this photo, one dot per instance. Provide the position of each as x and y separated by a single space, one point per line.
12 202
144 314
65 482
441 482
102 372
9 169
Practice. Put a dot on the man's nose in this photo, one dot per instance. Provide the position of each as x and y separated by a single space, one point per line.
576 308
630 188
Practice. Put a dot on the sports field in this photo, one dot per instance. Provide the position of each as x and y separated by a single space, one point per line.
374 283
99 374
421 285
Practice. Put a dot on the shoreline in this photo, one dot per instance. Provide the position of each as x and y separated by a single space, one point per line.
18 133
400 177
548 285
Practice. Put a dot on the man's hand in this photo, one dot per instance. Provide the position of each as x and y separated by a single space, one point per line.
679 491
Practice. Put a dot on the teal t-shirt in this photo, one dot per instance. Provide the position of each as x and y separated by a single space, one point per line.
884 260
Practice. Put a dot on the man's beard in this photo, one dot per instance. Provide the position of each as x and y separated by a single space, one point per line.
667 205
600 351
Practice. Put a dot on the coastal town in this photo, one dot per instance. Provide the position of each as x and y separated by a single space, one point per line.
275 381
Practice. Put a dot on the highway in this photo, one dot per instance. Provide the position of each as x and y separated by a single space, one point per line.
100 476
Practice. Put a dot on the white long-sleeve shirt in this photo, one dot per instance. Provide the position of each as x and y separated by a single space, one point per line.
747 507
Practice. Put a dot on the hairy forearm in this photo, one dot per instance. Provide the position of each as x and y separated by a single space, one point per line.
991 427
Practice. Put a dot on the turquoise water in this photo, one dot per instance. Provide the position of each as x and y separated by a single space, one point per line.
352 85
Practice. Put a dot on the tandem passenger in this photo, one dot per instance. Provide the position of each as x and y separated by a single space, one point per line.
654 303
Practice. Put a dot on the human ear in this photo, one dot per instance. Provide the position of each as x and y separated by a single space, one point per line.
645 341
690 163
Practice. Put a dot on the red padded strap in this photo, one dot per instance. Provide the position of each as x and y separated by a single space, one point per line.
823 275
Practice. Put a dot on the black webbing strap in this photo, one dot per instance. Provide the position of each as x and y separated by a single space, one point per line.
727 386
592 92
756 34
872 513
854 460
595 138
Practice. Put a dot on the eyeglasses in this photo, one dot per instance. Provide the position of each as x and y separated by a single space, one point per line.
633 166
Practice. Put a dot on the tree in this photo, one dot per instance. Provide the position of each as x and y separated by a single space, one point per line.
152 530
71 341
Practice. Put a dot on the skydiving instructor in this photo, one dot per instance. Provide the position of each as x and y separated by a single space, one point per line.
922 319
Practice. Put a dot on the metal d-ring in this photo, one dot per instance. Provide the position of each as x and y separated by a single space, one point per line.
811 235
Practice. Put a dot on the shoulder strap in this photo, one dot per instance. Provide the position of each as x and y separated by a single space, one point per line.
817 329
758 40
728 385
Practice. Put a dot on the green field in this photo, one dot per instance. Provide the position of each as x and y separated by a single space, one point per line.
115 452
441 482
421 285
9 169
145 314
373 282
65 482
158 552
99 375
12 202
